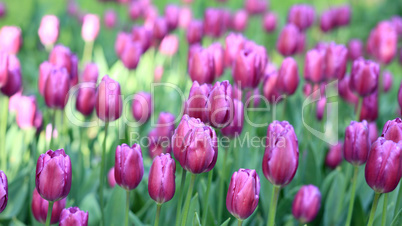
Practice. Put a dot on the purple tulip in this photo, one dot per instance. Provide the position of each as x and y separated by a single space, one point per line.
165 126
14 79
255 6
53 175
220 104
327 20
121 40
56 88
49 30
169 45
281 157
131 54
213 22
108 100
301 15
240 21
269 22
160 28
143 35
236 126
321 108
90 73
110 178
73 216
185 17
306 204
201 65
385 42
234 44
342 16
364 76
110 18
90 27
135 10
270 88
355 49
161 180
314 66
345 92
393 130
369 109
3 191
397 22
287 40
373 133
28 114
301 43
196 105
128 168
142 107
158 145
217 52
195 145
86 99
357 143
243 194
172 13
61 56
194 32
336 59
288 77
10 39
386 80
39 207
334 156
3 10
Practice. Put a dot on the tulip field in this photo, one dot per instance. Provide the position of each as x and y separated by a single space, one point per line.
200 112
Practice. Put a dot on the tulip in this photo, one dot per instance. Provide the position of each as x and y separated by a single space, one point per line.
108 100
131 54
287 40
10 39
142 107
142 35
243 193
234 43
49 30
220 104
216 50
253 98
90 27
161 180
314 66
355 49
321 108
86 99
157 145
345 92
327 20
288 76
369 108
3 191
169 45
160 28
110 178
301 43
158 73
110 18
28 114
201 65
53 175
44 70
334 155
213 22
129 168
4 58
56 88
342 16
121 41
269 22
235 128
385 42
393 130
74 70
240 20
172 13
73 216
364 76
357 143
14 83
373 134
336 61
39 207
194 32
195 145
61 56
270 89
386 80
255 6
185 17
301 15
90 73
135 10
306 204
196 105
397 22
3 10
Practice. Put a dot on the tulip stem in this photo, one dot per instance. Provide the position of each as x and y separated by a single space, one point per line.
352 195
87 57
239 222
102 173
49 213
205 212
127 206
221 185
188 199
359 108
3 129
158 213
384 210
52 128
182 183
272 207
373 208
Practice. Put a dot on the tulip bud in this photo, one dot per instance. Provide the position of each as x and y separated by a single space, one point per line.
386 80
357 143
314 66
213 22
142 107
49 30
201 65
135 10
288 77
160 28
110 18
121 40
287 40
240 20
270 88
373 134
355 49
321 108
217 52
194 32
158 145
90 27
3 68
301 15
142 35
161 180
172 13
3 191
169 45
60 56
90 73
281 157
73 216
53 175
364 76
336 58
342 16
301 43
369 109
3 10
269 22
220 104
393 130
28 115
128 168
243 194
234 43
56 88
327 20
255 6
86 98
108 100
196 105
195 145
306 204
384 166
334 155
345 92
236 126
44 70
14 83
185 17
10 39
131 54
40 207
110 178
397 22
385 41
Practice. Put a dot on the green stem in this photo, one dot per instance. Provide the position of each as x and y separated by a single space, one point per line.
188 199
373 208
359 108
52 129
158 213
182 183
221 186
239 222
272 207
352 195
384 210
49 213
102 174
205 212
3 130
127 206
87 57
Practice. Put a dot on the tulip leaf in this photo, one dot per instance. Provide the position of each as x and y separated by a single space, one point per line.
196 220
226 222
90 204
397 219
334 200
194 207
17 197
115 207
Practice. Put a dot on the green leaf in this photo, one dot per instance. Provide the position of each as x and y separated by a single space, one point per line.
397 219
226 222
90 204
17 198
115 207
196 220
194 207
334 200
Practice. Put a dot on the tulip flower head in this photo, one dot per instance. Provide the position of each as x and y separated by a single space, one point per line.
357 143
3 191
90 27
108 100
142 107
334 155
220 103
73 216
306 204
10 39
364 76
128 168
49 30
40 206
161 181
393 130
